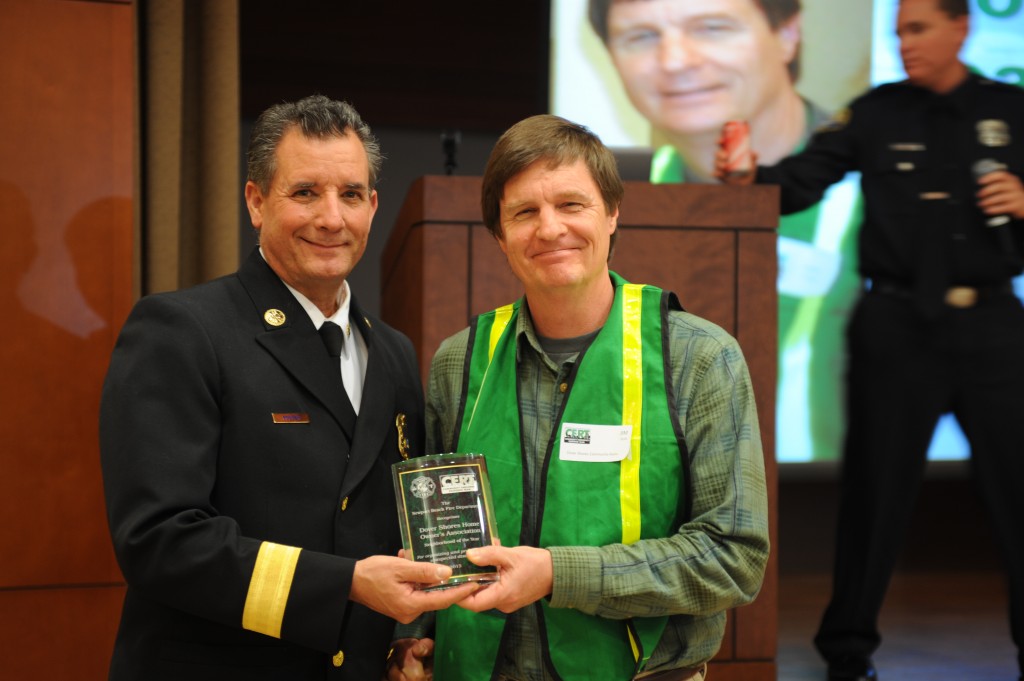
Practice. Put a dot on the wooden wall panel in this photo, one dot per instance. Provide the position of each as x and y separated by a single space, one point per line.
66 192
492 283
699 266
756 329
443 284
726 671
58 633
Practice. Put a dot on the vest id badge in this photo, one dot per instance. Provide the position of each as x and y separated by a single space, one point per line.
594 443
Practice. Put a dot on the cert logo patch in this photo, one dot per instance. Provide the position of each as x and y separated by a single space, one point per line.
577 436
422 487
455 483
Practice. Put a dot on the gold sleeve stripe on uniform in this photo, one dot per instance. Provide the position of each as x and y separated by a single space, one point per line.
269 587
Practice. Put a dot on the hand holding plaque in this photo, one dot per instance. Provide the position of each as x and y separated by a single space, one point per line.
444 509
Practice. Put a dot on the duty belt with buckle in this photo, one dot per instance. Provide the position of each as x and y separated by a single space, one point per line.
959 297
968 296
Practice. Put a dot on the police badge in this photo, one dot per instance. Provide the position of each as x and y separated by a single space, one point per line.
993 133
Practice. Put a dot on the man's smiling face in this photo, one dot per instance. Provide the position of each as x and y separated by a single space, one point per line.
314 219
691 65
556 229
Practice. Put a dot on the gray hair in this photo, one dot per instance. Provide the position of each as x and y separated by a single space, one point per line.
315 116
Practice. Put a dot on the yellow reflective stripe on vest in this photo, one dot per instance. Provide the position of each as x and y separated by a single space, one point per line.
269 587
632 411
501 317
634 644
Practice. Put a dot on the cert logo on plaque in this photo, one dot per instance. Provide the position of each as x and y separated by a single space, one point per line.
445 508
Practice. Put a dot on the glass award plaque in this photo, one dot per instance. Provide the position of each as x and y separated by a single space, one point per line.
445 508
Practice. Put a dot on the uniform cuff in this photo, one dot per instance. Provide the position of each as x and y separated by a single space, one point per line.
577 577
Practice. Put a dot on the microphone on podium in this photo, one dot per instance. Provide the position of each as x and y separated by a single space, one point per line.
450 140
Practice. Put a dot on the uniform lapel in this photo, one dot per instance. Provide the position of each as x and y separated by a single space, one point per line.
289 335
377 411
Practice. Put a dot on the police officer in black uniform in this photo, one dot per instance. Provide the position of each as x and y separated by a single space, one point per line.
938 329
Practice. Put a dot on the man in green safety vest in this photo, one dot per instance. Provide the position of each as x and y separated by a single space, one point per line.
621 438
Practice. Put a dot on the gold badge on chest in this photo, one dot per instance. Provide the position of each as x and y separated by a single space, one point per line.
993 133
274 317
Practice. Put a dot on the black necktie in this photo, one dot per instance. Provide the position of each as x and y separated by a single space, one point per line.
334 338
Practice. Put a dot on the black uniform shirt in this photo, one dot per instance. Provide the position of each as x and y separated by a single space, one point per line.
915 150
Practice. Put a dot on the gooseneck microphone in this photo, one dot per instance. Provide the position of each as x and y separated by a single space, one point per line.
450 140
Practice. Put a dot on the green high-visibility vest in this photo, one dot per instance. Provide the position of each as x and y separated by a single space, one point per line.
619 380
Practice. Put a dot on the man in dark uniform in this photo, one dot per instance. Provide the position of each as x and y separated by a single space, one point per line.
247 453
938 329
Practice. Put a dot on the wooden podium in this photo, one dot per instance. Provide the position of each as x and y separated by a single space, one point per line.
713 245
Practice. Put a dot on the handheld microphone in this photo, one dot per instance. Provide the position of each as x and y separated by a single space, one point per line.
980 169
